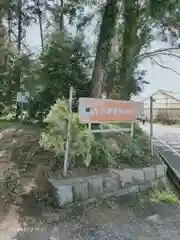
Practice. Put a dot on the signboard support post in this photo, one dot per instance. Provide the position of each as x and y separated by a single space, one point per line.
21 111
151 125
21 98
132 130
66 162
89 144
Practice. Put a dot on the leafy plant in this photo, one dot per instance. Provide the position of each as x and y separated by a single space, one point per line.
101 155
54 138
164 196
136 151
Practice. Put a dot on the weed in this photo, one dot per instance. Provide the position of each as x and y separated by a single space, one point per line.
169 197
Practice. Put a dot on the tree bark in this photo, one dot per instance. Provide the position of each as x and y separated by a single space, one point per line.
9 39
18 79
128 41
39 13
62 16
107 30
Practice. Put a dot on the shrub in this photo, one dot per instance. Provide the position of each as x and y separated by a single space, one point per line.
102 153
54 138
132 153
106 148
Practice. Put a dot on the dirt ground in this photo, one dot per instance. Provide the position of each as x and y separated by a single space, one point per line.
125 218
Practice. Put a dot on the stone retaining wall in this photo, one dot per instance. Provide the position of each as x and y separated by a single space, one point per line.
116 182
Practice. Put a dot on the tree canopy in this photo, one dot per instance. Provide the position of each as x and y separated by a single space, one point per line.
123 34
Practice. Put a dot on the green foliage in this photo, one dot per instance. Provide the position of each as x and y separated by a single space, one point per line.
55 137
63 62
133 154
103 155
117 149
169 197
105 150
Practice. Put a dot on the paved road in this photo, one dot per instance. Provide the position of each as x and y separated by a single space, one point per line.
169 144
169 134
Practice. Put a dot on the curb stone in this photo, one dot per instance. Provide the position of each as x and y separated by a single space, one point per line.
118 183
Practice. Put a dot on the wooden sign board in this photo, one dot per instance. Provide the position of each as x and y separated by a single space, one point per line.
93 110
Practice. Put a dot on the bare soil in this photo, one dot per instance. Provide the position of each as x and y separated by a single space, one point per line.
29 192
21 153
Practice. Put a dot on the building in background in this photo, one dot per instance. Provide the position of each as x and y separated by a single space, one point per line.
166 107
140 106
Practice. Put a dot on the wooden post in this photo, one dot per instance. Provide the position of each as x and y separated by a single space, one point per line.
66 156
151 125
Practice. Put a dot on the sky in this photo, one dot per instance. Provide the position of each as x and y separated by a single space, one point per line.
157 77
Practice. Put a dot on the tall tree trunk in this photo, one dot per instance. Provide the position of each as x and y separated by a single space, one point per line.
19 43
39 13
9 24
9 39
19 26
61 16
128 46
107 30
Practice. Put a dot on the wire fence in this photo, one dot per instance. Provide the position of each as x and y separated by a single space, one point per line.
161 114
165 109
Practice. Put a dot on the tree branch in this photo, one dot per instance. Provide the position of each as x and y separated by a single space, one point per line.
164 67
158 52
170 54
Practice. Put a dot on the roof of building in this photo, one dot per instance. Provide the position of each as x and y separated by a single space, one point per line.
174 95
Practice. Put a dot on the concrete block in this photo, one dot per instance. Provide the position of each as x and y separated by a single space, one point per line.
161 170
81 191
149 173
111 184
126 176
95 187
138 175
64 192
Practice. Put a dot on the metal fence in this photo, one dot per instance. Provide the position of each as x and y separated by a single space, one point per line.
166 107
163 114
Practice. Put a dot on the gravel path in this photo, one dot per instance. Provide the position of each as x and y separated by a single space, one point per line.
119 219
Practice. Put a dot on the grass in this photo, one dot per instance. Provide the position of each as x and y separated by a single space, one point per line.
159 195
4 124
165 196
